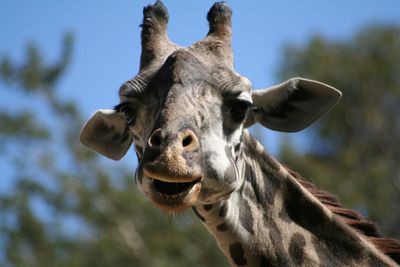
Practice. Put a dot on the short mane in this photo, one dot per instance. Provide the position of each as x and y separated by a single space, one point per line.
389 246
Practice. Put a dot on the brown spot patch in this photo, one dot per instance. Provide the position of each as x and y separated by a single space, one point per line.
237 253
208 207
302 210
296 248
222 227
223 210
246 217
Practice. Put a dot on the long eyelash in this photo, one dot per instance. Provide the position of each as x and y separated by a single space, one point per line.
120 106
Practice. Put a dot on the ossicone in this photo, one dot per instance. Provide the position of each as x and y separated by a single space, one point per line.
155 42
219 18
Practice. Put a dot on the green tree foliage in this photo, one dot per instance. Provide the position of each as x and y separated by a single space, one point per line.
355 150
65 206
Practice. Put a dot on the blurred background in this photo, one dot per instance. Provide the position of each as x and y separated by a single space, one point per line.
62 205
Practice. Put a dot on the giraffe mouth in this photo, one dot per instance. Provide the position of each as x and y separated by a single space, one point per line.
174 196
173 189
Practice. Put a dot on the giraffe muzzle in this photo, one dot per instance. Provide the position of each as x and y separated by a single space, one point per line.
171 167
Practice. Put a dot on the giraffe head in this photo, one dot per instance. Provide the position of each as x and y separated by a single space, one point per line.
186 110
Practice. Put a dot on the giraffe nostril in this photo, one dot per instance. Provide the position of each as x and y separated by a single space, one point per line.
187 141
155 139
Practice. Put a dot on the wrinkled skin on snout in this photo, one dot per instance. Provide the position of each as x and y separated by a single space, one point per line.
186 111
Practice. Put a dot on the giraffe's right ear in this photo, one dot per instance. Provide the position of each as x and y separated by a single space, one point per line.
106 132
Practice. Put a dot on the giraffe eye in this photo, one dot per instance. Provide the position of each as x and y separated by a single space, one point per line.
129 114
239 109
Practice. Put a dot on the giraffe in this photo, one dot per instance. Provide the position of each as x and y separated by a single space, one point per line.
187 112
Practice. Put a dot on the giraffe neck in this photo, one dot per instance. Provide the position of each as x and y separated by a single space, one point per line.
273 221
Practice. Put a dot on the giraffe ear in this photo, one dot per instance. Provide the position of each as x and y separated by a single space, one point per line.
107 133
292 105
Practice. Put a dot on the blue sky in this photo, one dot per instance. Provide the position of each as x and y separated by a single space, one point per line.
107 37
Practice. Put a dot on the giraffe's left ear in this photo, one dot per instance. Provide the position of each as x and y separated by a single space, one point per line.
292 105
106 132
